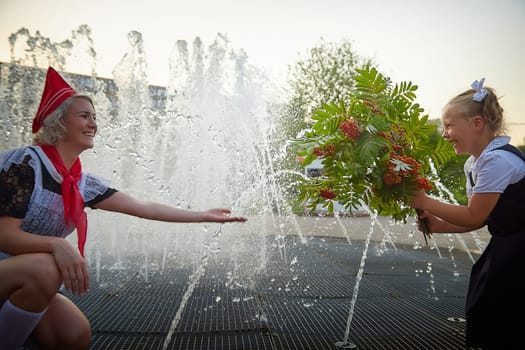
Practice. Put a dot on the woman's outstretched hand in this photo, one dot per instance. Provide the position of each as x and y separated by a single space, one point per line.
221 215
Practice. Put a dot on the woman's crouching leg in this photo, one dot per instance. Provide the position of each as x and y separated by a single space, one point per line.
29 284
35 279
63 326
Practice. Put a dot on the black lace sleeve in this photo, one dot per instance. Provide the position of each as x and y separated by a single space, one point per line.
92 203
16 187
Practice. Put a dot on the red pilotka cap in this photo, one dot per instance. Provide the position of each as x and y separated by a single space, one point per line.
56 91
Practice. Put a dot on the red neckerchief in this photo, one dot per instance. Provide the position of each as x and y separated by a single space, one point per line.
73 201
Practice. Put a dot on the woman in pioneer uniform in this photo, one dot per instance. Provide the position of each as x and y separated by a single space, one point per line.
43 192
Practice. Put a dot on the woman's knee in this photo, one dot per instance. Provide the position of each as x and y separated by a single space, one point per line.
38 277
76 336
63 326
45 272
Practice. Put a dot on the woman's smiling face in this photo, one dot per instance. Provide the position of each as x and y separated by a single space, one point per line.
81 125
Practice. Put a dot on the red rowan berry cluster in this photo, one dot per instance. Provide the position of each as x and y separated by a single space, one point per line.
424 183
373 108
413 164
391 178
397 148
329 150
327 194
319 152
350 128
396 173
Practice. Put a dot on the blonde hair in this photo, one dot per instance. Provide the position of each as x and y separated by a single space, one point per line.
53 127
489 109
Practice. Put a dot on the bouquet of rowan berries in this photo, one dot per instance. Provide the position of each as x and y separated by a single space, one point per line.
377 152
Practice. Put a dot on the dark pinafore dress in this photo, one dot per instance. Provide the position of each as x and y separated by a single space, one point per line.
495 307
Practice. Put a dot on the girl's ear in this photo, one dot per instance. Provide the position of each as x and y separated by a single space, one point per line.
478 121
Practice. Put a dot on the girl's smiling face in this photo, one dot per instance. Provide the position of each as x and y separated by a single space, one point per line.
457 130
81 125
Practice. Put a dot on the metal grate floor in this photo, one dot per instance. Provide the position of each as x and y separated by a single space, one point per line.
407 299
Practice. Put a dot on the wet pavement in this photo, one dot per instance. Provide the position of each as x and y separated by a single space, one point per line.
298 294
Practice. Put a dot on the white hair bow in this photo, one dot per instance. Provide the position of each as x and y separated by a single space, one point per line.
481 92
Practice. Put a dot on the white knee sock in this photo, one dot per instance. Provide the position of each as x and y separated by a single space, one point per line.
16 325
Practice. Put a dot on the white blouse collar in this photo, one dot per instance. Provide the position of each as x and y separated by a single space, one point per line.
47 163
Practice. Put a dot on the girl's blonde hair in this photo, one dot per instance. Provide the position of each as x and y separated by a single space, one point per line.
53 127
488 108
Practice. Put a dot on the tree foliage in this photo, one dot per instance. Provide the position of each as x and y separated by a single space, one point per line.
325 74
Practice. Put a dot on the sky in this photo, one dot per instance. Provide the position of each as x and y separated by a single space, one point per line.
442 46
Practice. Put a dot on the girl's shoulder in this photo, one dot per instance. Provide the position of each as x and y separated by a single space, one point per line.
504 163
506 157
502 152
512 149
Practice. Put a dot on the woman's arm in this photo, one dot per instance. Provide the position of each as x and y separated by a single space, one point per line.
122 203
72 266
14 241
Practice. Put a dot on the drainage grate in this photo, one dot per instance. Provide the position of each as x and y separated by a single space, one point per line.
301 302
